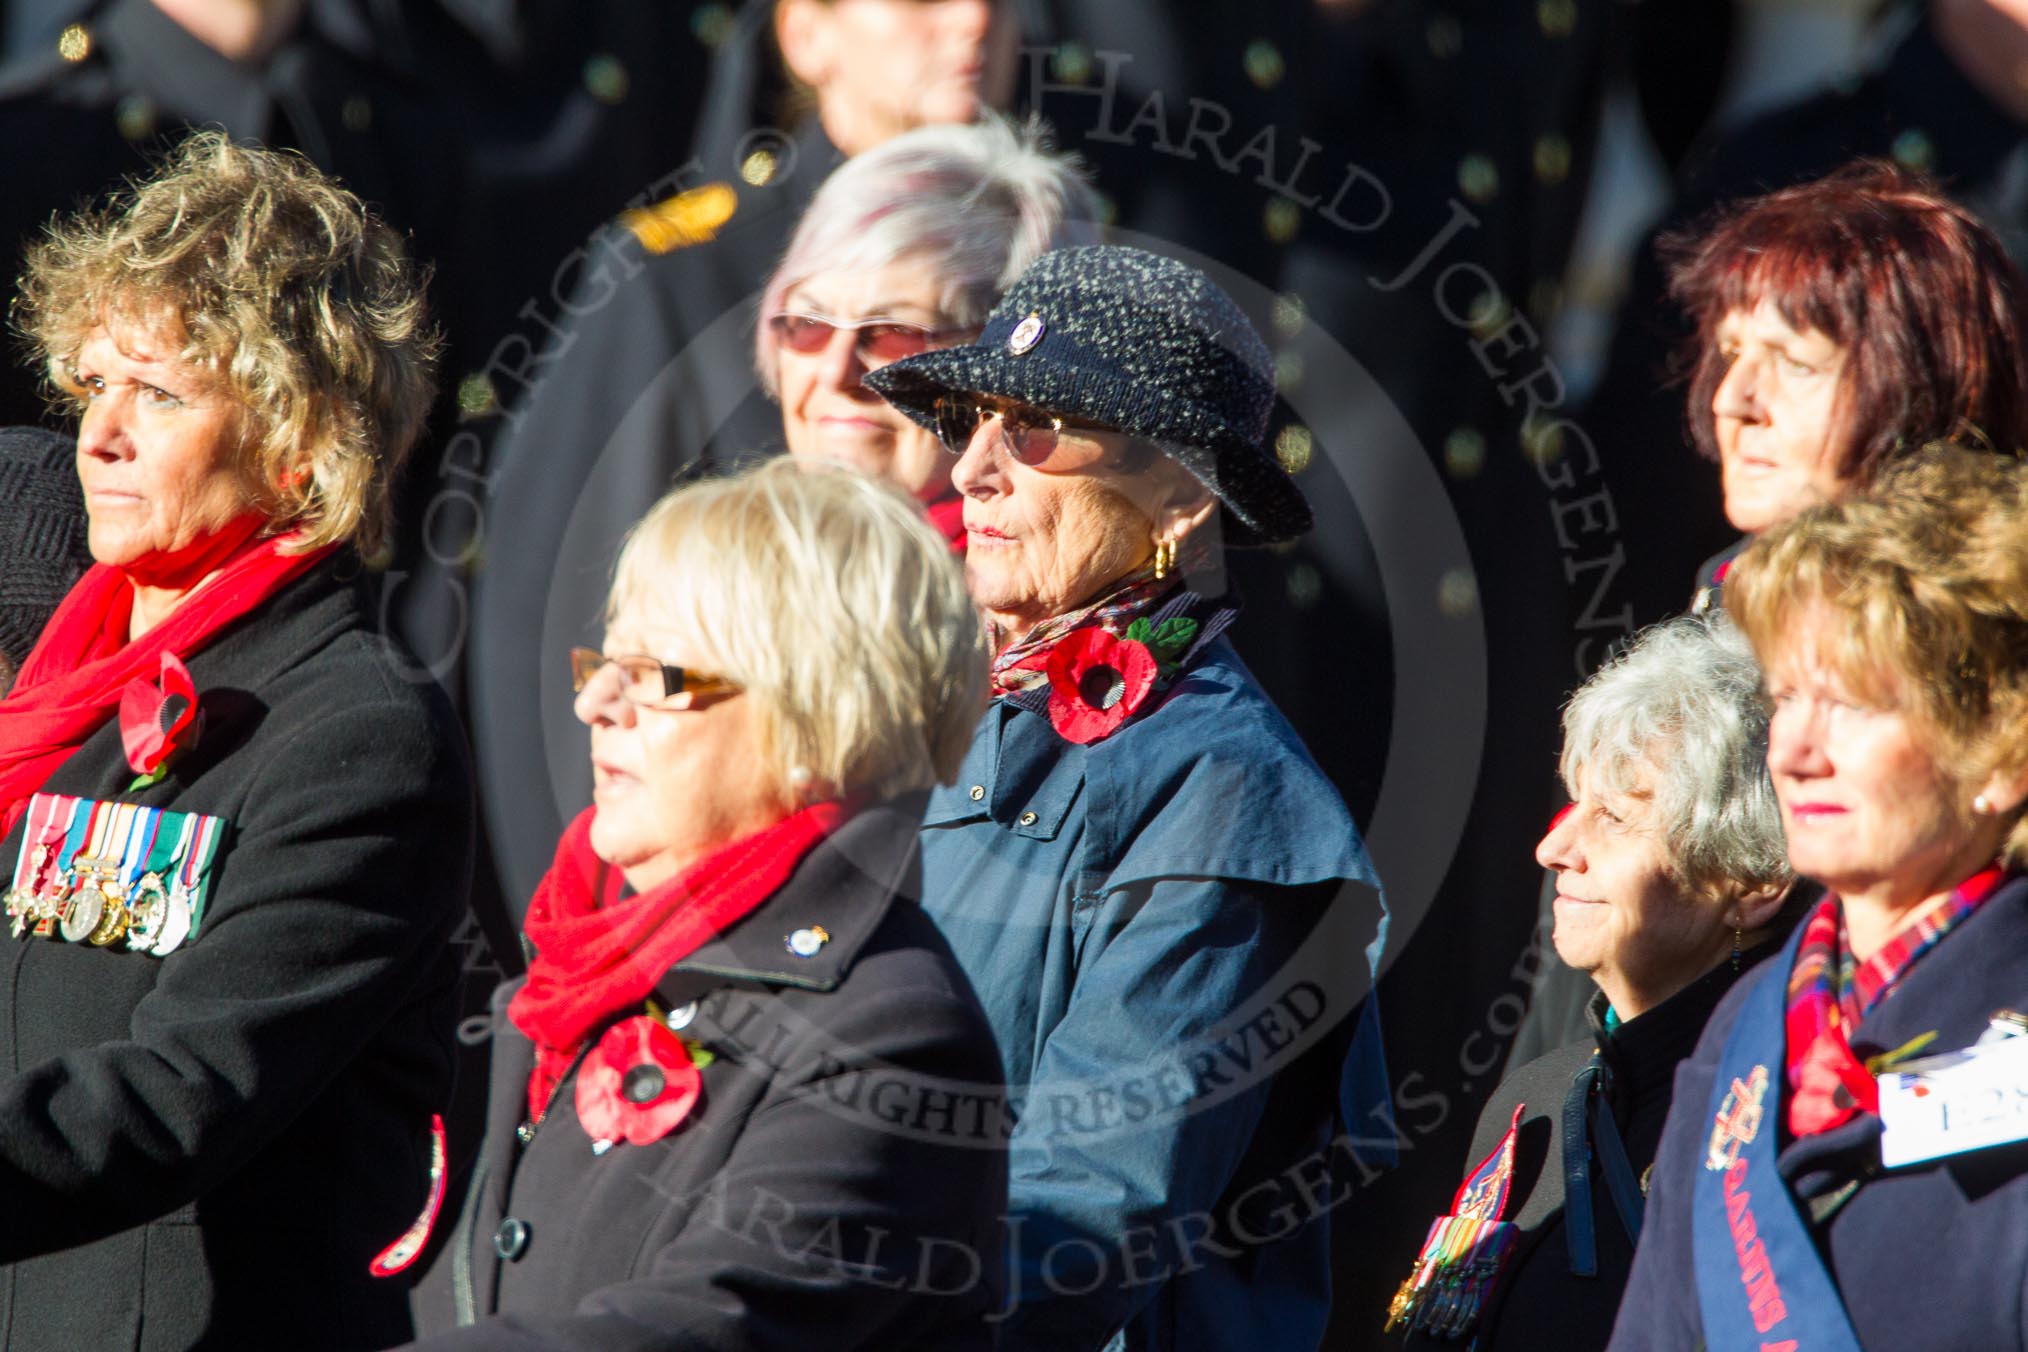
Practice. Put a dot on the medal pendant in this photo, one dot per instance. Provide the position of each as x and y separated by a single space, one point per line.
175 923
113 923
51 906
87 907
146 908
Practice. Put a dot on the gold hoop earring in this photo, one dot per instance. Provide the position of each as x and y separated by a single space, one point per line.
1165 557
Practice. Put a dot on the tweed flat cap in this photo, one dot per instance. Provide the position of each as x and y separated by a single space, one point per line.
43 548
1134 341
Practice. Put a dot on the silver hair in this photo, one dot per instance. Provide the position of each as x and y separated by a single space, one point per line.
1683 711
977 203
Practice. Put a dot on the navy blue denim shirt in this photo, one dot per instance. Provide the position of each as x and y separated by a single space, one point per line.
1169 929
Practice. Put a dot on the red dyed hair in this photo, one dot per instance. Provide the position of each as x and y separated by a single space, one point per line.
1917 291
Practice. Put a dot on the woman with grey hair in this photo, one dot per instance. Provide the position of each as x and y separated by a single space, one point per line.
1671 875
905 248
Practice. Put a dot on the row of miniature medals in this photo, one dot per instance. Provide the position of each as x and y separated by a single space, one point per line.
1464 1252
99 873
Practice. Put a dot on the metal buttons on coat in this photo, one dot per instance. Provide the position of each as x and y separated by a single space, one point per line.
510 1241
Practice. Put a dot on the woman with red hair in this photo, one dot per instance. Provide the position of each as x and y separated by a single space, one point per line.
1840 324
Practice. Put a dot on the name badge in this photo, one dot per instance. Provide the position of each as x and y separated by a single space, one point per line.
1946 1105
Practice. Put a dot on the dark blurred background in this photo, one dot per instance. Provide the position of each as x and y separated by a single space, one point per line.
1459 199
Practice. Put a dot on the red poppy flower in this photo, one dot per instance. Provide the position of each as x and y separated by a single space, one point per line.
638 1084
1832 1086
158 721
1096 682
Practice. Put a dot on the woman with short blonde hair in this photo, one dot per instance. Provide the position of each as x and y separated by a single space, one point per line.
879 691
736 1007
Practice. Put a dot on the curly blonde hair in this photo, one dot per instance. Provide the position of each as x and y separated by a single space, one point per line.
269 273
1927 581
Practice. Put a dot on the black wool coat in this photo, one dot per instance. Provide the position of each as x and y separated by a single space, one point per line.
840 1183
1931 1257
1539 1302
208 1149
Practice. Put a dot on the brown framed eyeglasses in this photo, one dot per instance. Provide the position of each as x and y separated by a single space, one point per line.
645 680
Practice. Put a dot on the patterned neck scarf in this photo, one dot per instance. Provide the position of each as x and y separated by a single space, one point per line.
1830 992
1020 665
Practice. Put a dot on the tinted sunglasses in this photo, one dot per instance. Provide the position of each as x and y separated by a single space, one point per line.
1028 435
643 679
877 340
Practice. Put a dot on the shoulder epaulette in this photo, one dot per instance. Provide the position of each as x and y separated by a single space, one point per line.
691 217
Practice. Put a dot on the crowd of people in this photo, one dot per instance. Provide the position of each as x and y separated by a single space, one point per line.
926 930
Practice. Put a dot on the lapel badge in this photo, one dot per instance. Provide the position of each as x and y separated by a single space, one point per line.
1737 1121
1026 335
805 943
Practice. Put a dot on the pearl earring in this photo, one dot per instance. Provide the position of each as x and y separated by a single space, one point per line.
1982 805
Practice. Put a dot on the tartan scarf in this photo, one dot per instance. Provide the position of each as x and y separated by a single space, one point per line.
1830 992
1021 665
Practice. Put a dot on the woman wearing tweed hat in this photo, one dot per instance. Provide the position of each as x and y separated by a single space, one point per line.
1159 897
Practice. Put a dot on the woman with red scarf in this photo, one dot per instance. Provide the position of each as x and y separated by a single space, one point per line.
237 831
1845 1163
744 1097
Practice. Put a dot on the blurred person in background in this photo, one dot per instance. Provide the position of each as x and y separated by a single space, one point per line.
1891 629
682 1148
647 374
43 549
1138 857
239 839
903 249
1671 878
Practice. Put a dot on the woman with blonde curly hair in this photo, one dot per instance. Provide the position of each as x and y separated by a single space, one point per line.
238 837
1819 1202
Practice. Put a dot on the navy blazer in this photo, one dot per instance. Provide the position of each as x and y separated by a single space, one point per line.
1933 1256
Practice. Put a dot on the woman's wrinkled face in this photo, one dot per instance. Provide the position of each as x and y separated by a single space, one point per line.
1621 914
158 449
827 413
1777 417
883 67
1869 807
1045 539
672 783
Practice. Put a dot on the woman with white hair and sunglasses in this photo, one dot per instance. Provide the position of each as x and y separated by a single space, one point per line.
905 248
